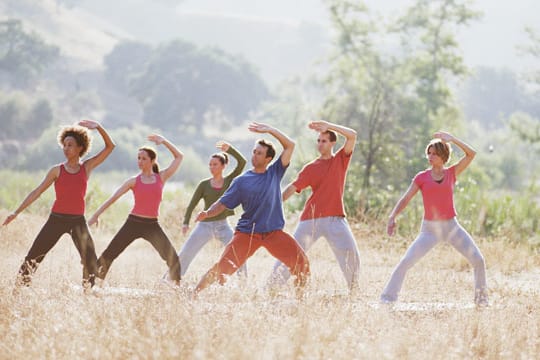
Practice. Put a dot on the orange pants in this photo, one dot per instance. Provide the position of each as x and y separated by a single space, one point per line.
278 243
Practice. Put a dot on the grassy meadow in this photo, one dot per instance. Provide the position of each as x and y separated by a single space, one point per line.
136 316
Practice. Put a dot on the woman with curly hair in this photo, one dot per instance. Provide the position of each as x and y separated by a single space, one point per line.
67 214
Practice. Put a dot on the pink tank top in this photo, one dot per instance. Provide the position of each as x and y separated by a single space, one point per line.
70 192
147 197
438 197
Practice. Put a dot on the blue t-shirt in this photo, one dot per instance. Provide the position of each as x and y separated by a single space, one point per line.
260 196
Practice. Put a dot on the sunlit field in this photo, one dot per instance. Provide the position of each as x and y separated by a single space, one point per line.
135 315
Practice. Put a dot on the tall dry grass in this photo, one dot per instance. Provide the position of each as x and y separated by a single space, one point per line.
138 317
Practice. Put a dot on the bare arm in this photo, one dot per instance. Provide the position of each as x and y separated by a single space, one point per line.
115 196
400 205
288 192
214 210
348 133
470 153
285 141
51 176
178 156
97 159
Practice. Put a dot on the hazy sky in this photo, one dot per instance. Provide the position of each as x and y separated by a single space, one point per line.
491 41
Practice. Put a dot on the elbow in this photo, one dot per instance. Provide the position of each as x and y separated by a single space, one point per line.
291 144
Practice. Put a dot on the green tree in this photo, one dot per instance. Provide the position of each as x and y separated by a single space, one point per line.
126 61
182 83
23 55
428 32
362 85
528 127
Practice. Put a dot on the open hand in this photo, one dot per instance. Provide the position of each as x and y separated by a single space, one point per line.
223 145
444 136
89 124
319 126
155 138
259 127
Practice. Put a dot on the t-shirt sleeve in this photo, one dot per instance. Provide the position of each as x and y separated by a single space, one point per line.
344 158
452 174
231 198
418 179
302 181
277 168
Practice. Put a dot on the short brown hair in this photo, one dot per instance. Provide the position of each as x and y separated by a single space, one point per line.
80 134
442 149
270 150
331 135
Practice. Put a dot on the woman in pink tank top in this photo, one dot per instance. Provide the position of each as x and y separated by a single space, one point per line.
142 222
67 214
439 224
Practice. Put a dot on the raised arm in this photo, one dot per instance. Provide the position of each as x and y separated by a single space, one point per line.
97 159
285 141
119 192
400 205
51 176
240 160
348 133
177 154
470 153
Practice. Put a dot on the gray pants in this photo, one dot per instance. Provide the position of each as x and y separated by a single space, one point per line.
336 230
432 233
203 232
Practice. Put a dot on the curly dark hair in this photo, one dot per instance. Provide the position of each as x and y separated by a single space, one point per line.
80 134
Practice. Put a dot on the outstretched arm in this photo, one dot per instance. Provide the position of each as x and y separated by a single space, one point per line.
470 153
119 192
400 205
97 159
348 133
51 176
178 156
214 210
288 192
285 141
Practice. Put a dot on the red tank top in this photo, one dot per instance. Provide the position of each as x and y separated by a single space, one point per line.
70 192
147 197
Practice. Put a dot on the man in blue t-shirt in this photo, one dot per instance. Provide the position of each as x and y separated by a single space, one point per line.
258 191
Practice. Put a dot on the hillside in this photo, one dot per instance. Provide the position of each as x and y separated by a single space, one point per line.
83 38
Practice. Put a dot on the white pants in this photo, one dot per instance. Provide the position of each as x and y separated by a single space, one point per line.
432 233
336 231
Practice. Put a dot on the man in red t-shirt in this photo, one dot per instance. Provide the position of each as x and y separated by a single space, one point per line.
324 214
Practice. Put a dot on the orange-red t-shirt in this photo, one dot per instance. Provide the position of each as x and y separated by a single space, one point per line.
438 198
326 177
70 192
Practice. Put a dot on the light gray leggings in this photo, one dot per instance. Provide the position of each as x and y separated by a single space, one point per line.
432 233
336 231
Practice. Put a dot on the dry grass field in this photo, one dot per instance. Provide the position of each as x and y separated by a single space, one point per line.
135 316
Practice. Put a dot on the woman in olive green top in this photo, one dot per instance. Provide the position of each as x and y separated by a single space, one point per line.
210 190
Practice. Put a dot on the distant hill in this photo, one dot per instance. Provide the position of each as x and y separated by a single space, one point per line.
82 37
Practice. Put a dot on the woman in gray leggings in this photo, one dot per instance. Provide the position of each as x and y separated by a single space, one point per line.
439 224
